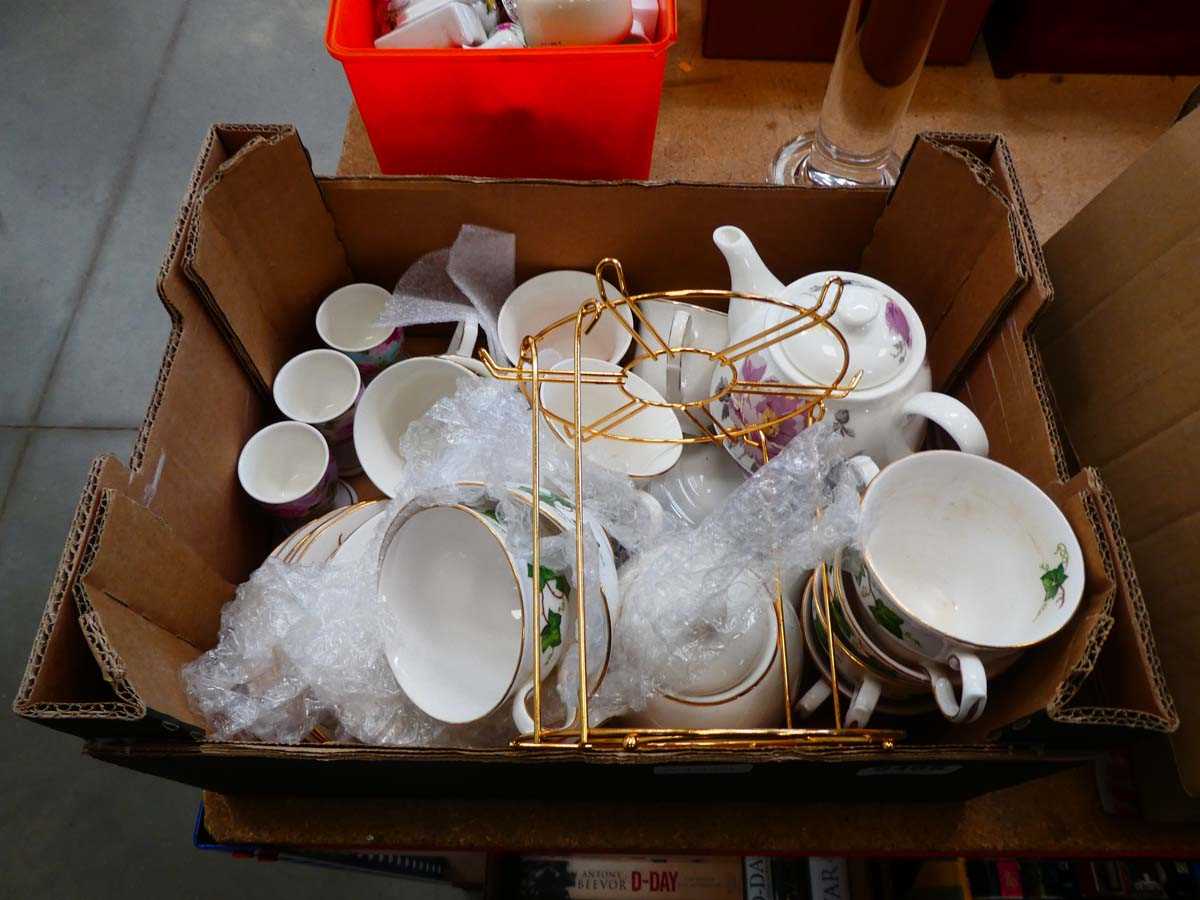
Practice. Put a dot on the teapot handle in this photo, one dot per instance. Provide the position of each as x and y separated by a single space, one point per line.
952 416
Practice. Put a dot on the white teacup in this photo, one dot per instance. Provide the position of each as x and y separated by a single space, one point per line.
543 300
397 397
682 377
607 405
741 686
464 607
964 563
321 387
288 469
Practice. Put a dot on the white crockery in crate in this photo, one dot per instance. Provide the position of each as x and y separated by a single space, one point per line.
742 685
884 417
699 483
572 22
463 606
435 25
964 563
397 397
324 540
599 400
682 377
546 298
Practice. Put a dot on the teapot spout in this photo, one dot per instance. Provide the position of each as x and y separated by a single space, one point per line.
747 272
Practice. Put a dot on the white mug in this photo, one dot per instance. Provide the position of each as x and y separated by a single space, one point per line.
288 469
322 387
964 563
463 610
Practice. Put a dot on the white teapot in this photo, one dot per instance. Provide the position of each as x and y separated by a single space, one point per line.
884 416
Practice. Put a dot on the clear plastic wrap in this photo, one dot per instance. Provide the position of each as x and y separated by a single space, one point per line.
468 281
302 646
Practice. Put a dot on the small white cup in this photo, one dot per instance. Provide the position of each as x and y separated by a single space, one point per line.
321 387
288 469
346 321
550 23
543 300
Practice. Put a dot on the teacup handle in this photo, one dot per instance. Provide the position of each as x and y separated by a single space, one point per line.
520 712
681 324
863 704
813 698
954 417
969 706
462 343
858 713
864 470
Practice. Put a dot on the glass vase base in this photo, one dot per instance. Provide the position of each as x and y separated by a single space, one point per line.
798 163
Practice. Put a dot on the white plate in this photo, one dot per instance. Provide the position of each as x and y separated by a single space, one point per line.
627 457
355 544
319 540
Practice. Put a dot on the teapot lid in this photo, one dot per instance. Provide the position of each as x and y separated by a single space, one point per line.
879 325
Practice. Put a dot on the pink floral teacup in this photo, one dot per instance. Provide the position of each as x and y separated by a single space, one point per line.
288 469
346 321
321 388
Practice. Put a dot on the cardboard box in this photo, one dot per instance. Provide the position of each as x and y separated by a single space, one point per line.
157 548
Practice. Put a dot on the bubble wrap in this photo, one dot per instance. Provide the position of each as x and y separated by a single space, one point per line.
468 281
302 646
679 610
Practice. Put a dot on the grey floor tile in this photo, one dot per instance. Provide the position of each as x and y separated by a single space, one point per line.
86 829
235 61
76 85
36 516
11 441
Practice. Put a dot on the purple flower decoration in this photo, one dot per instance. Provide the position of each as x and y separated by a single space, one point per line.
749 410
897 322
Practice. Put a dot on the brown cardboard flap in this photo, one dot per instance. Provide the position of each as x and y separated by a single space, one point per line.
265 252
386 223
1120 348
185 456
946 244
141 564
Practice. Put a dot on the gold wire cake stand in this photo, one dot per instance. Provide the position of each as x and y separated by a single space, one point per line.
650 345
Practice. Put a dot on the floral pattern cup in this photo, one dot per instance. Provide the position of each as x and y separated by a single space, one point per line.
963 564
288 469
322 387
346 322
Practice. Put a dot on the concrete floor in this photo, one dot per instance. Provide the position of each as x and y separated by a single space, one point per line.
102 112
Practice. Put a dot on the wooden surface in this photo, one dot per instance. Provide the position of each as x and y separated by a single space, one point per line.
1055 816
723 120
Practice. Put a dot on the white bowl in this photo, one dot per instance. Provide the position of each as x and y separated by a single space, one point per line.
548 297
597 400
397 397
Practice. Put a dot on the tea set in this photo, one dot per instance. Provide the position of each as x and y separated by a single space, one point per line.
960 564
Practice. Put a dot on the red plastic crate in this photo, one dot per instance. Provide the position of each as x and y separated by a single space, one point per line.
550 112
